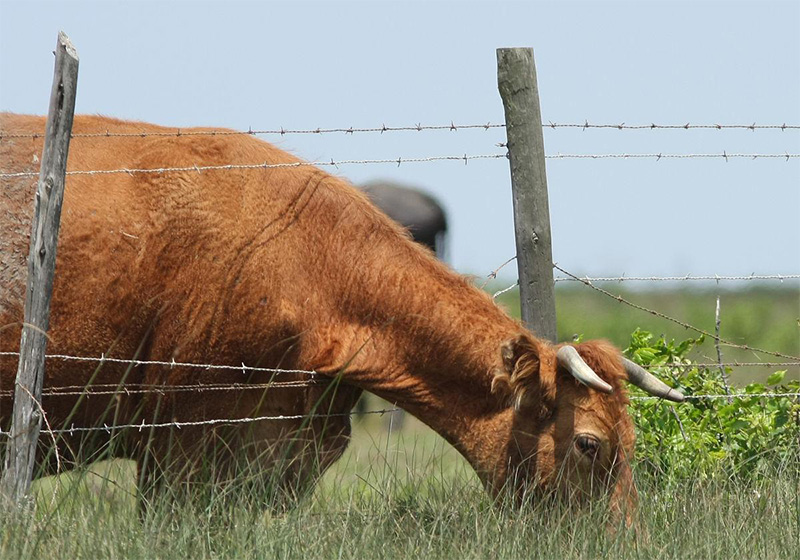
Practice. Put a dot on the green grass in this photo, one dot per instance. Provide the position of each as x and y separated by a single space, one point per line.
407 494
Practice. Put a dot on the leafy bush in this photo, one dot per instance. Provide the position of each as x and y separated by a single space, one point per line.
748 435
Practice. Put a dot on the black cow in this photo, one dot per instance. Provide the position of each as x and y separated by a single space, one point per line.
415 210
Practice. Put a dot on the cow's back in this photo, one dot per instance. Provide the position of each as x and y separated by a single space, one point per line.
156 265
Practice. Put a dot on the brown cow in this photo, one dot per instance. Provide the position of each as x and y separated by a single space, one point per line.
291 268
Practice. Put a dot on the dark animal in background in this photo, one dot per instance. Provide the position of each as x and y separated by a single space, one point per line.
420 213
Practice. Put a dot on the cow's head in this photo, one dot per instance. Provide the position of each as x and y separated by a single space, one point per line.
572 435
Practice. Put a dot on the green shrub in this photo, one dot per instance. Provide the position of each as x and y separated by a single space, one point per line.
745 436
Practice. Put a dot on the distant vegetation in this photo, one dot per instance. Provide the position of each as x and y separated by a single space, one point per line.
767 318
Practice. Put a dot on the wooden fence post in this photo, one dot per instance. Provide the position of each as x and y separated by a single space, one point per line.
27 414
516 80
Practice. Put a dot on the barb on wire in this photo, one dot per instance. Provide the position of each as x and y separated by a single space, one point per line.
243 166
493 274
673 320
211 422
170 364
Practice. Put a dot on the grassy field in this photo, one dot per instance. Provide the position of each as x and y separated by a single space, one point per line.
407 494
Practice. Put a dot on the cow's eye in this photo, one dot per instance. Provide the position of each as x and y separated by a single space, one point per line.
588 445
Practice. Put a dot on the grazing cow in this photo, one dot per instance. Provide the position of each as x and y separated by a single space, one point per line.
283 267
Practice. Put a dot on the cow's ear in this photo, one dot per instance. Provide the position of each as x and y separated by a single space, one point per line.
527 375
511 350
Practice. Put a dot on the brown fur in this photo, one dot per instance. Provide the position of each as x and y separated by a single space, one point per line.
288 268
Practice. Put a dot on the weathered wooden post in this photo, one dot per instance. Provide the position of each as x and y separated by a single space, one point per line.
27 414
516 79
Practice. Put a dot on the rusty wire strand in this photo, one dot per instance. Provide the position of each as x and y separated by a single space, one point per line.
493 274
685 325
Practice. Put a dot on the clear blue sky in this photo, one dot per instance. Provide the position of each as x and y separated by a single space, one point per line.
338 64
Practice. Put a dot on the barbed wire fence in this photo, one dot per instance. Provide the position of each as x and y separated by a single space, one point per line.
568 277
309 378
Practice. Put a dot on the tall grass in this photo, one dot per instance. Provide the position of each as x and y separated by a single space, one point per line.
407 494
404 495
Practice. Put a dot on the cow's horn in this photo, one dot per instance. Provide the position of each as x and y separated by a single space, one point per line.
569 358
649 383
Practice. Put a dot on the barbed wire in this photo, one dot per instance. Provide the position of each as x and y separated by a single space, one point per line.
282 417
723 364
72 430
724 155
658 156
161 389
244 166
419 127
171 364
108 428
723 396
493 274
688 277
134 389
398 161
688 126
504 290
676 321
584 279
